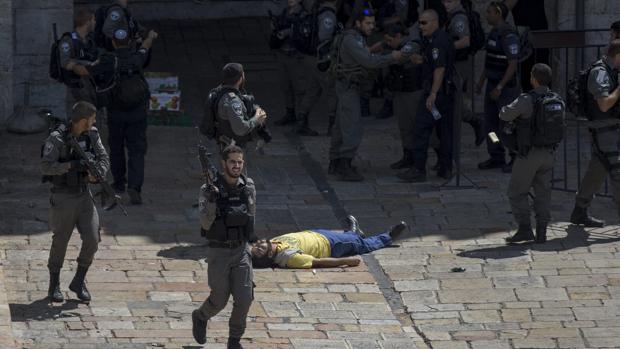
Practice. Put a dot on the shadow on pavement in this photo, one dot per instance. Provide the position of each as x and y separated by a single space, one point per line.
191 252
41 310
576 237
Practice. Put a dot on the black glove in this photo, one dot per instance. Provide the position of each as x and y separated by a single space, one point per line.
212 193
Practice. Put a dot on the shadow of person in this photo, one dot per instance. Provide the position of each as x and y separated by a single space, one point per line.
41 309
576 236
190 252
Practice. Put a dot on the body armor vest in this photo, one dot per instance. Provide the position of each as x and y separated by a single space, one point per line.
83 51
233 220
76 178
496 62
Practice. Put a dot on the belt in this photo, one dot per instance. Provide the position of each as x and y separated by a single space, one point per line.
225 244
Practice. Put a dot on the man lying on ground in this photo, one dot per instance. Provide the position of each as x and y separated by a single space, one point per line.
321 248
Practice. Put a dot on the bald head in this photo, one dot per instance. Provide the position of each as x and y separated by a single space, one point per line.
429 22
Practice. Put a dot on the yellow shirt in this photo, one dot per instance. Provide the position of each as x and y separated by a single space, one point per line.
313 245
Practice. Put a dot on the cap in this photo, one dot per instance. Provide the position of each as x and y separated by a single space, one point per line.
120 34
232 72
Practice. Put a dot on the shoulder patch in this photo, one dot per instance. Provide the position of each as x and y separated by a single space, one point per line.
231 94
328 23
435 53
115 15
65 47
49 146
602 78
514 49
460 26
237 106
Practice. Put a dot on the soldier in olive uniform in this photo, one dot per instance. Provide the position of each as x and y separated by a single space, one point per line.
604 110
71 200
500 68
79 47
352 71
533 166
458 28
227 209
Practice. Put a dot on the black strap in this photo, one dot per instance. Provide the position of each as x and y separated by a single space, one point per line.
605 129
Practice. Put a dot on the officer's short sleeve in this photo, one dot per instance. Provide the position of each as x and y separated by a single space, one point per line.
114 20
459 26
511 46
102 158
439 53
300 261
252 195
50 154
599 84
65 49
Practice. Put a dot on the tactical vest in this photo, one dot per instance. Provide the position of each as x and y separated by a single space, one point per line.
351 72
75 180
496 62
404 77
233 220
83 51
593 109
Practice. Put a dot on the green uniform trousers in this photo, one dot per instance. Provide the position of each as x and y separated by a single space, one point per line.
348 129
405 107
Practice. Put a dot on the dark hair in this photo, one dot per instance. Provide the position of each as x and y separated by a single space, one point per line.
230 150
263 261
615 26
542 73
231 73
396 28
82 16
82 110
365 12
500 7
614 48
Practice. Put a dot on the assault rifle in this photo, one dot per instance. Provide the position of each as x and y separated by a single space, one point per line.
208 170
95 172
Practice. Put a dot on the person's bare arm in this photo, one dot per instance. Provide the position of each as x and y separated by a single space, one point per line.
335 262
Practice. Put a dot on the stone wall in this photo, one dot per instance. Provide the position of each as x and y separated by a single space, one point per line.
33 37
6 60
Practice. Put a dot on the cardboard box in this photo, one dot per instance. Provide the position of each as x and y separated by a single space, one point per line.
165 101
162 82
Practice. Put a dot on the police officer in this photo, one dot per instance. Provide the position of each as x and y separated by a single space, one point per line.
534 164
436 111
352 72
117 16
79 47
72 204
405 82
227 210
458 28
126 124
237 120
317 82
292 75
604 111
500 67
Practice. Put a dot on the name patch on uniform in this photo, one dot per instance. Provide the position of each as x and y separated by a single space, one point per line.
115 16
65 47
514 49
49 146
435 53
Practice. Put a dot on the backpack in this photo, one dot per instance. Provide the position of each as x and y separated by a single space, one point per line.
56 71
577 94
208 124
326 50
548 122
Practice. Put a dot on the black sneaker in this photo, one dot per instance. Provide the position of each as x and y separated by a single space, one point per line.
522 234
134 196
397 231
199 328
491 164
444 173
413 175
234 343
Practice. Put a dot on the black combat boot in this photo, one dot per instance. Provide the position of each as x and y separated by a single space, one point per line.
53 291
387 111
353 225
507 168
135 198
396 232
233 343
347 172
490 164
78 286
287 119
541 233
199 327
413 175
405 162
301 127
478 127
524 233
580 216
445 173
333 166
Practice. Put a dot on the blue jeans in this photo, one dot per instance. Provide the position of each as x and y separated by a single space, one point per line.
349 243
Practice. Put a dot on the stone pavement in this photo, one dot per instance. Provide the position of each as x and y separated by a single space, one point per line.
150 272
